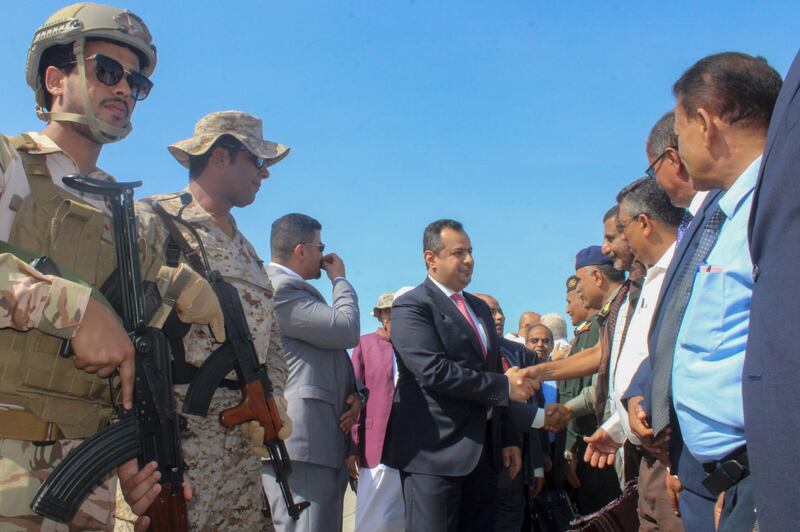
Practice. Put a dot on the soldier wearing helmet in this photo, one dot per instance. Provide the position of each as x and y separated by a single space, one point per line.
88 64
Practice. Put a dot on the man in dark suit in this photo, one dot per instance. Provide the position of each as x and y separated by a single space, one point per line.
772 367
444 431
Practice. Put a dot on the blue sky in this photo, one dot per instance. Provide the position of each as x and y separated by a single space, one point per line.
520 119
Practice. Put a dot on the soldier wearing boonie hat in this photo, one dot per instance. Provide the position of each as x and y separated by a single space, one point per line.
227 158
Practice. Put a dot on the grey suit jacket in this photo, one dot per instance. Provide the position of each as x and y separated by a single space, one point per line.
314 337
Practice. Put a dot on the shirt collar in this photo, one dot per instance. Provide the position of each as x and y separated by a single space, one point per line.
697 202
663 262
289 271
733 198
443 288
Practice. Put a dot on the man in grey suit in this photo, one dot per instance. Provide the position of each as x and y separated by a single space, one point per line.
321 388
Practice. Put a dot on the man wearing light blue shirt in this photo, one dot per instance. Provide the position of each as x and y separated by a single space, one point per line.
722 114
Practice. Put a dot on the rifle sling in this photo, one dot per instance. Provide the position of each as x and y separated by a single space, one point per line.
182 371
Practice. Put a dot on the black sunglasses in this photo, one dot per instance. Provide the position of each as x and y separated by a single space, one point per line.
651 170
110 72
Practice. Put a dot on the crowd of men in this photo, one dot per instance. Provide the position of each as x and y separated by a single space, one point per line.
670 409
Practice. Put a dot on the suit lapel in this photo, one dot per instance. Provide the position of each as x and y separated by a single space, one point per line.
486 321
448 308
680 252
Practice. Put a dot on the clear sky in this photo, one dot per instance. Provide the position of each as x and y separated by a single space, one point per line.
521 119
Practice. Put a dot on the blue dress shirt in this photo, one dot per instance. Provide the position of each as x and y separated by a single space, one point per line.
709 355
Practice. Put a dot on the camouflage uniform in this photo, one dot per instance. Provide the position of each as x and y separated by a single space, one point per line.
55 307
220 462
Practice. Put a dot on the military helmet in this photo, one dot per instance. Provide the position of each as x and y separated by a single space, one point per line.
76 23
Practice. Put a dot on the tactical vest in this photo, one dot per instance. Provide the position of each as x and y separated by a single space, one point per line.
56 223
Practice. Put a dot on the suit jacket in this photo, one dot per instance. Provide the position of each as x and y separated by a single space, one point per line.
517 354
372 362
314 337
445 387
772 365
684 464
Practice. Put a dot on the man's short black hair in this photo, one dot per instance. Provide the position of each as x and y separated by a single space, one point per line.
738 87
432 237
645 196
611 273
198 163
662 136
613 212
290 230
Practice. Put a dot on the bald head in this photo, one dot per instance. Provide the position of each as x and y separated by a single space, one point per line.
497 312
526 320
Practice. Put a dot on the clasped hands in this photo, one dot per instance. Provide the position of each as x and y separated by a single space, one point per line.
523 383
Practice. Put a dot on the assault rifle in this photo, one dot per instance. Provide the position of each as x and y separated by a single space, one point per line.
151 430
237 354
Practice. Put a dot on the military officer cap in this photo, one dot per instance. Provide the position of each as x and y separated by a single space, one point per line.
572 283
591 256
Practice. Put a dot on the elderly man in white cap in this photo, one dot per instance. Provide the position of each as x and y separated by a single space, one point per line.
227 159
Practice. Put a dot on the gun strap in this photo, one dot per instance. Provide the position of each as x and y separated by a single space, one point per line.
182 371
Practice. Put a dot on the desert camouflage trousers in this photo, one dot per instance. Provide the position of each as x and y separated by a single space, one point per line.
24 466
225 474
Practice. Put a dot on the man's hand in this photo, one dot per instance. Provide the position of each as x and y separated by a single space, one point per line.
601 450
674 488
352 465
333 266
102 346
286 421
512 461
571 474
140 488
718 506
556 417
520 386
637 417
253 432
351 415
548 463
560 352
197 302
536 489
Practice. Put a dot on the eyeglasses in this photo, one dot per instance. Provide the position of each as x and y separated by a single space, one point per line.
621 226
651 170
110 72
321 246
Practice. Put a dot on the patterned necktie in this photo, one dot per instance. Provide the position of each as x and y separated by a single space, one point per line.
607 337
462 308
674 308
632 289
686 219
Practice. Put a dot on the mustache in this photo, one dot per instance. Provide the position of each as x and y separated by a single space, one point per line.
114 99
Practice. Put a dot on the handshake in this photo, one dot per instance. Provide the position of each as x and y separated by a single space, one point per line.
523 383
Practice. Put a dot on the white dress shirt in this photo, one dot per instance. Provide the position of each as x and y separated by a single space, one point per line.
634 351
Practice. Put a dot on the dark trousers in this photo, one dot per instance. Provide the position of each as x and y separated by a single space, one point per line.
510 502
739 508
437 504
655 511
598 486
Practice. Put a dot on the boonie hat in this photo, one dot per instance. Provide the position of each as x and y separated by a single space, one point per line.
244 127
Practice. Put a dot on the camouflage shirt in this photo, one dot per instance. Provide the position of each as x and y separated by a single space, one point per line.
32 300
237 261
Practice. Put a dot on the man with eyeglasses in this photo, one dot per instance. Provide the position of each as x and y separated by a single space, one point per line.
669 171
88 65
649 223
323 394
227 159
